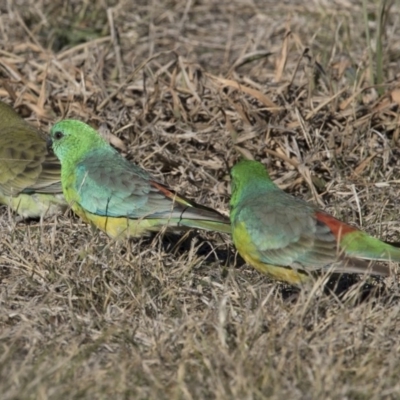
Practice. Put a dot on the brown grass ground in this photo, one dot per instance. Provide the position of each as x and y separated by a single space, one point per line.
184 87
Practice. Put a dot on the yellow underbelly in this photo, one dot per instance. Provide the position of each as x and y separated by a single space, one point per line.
35 205
118 228
249 252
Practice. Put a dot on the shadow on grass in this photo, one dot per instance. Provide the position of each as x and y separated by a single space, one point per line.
352 288
346 288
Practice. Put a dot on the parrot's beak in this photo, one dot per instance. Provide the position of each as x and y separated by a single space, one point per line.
49 143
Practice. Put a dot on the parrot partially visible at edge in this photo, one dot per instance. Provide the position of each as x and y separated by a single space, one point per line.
287 238
30 175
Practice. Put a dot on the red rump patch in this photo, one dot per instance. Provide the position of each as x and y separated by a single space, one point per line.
166 192
337 227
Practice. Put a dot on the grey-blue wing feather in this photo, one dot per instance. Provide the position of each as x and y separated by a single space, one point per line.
287 233
110 185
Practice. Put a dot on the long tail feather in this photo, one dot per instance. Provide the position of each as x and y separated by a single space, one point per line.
356 266
195 215
224 227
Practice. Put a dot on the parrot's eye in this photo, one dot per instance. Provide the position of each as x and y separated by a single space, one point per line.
58 135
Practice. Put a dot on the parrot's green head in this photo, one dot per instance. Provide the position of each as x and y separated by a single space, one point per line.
249 178
71 140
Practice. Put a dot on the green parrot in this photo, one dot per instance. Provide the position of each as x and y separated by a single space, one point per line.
287 238
118 197
30 176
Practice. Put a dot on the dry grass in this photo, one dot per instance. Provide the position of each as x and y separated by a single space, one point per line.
182 88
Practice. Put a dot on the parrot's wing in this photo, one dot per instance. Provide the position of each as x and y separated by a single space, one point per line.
295 234
287 233
109 185
25 164
189 209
